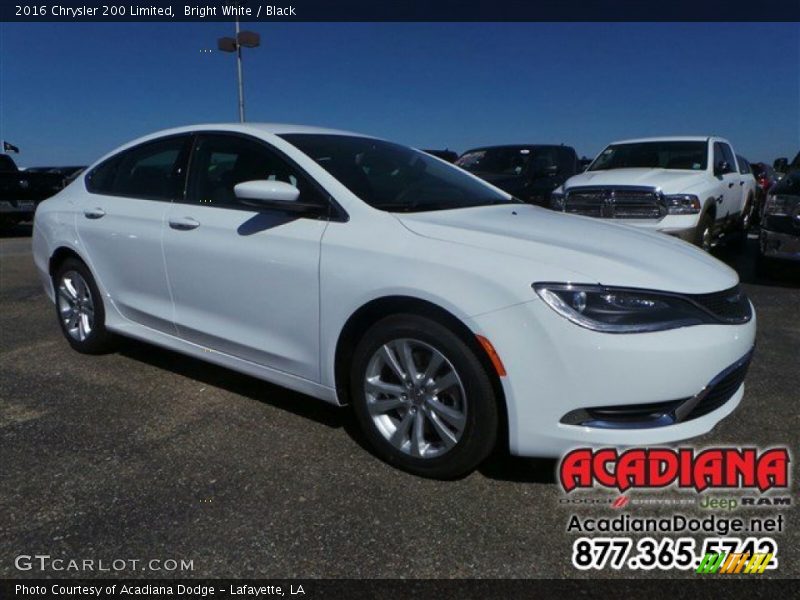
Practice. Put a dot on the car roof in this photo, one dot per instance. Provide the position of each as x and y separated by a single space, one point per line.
273 128
512 146
671 138
255 129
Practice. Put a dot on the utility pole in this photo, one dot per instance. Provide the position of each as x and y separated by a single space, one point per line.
239 72
243 39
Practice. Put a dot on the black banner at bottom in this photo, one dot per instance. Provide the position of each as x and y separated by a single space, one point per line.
751 587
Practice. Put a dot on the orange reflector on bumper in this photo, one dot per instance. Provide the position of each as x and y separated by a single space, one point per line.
493 356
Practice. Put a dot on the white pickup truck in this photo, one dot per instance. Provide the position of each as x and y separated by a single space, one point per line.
690 187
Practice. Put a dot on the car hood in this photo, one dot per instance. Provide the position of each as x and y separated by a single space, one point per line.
578 247
670 181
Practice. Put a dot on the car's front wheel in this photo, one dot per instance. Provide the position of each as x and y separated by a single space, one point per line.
423 398
704 233
80 309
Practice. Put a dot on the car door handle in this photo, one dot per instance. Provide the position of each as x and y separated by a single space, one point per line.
741 183
184 223
94 213
730 185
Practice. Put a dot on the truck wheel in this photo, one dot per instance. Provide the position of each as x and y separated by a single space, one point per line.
766 268
746 219
739 235
704 234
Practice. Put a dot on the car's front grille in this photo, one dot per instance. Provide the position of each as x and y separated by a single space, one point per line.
615 202
731 306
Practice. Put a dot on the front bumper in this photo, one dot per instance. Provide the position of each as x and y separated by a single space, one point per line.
556 369
680 226
780 245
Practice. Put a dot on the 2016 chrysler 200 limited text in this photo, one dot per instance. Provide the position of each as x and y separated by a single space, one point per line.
449 314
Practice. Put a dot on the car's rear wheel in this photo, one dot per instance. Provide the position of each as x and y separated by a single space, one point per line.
80 309
423 398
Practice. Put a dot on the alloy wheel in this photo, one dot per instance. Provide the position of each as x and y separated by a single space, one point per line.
415 398
75 306
707 239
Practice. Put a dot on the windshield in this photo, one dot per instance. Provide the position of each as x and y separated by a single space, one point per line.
682 155
508 160
395 178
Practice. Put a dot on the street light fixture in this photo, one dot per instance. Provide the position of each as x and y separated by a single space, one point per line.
243 39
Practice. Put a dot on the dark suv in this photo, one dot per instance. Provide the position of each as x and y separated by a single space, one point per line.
780 222
528 171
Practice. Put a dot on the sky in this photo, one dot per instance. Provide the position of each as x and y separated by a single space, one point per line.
70 92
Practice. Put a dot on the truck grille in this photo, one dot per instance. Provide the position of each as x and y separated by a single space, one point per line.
615 202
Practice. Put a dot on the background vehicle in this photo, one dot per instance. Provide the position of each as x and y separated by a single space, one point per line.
765 178
445 154
360 271
689 187
781 166
750 189
21 191
779 239
68 173
528 172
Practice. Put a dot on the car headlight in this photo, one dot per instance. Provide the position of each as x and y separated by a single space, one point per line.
620 310
557 199
682 204
780 205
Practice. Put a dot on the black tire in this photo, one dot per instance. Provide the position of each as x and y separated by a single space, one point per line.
739 236
480 431
706 222
766 268
99 340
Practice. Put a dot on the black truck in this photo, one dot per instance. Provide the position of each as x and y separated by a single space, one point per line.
528 171
779 239
21 191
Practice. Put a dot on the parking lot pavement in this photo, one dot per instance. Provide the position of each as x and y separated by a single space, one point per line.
145 454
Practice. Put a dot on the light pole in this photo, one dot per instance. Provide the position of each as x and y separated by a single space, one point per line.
243 39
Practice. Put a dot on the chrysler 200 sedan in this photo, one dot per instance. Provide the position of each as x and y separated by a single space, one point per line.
451 316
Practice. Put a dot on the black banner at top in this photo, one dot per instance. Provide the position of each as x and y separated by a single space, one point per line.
397 10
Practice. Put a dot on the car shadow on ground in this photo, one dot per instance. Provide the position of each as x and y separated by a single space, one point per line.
499 466
301 405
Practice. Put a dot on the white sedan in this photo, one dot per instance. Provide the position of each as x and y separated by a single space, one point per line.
451 316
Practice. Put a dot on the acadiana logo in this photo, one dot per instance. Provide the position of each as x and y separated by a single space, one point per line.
711 468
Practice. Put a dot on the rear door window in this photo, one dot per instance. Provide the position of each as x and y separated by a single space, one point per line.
154 171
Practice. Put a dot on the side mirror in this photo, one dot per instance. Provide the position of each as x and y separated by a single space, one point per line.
722 167
265 192
276 195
